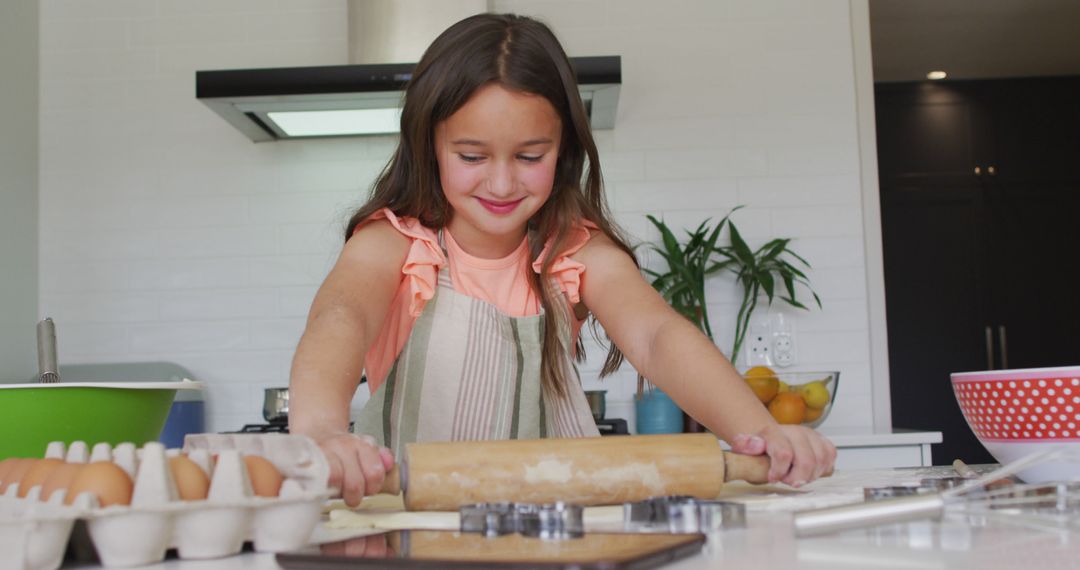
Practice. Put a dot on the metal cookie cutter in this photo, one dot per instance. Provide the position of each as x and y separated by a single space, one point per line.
927 485
554 521
682 514
489 519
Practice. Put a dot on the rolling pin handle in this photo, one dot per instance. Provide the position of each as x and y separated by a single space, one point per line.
749 468
395 481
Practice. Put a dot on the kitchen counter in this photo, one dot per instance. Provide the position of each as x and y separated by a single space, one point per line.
858 448
768 543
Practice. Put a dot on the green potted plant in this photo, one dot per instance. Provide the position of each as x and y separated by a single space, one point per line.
764 270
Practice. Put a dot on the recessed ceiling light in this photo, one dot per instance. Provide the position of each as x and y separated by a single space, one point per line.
936 75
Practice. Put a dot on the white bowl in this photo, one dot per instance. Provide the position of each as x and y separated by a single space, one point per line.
1015 413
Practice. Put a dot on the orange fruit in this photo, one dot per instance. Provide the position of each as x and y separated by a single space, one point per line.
764 387
759 372
788 408
812 414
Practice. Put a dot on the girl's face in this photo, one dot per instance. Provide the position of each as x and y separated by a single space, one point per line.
497 157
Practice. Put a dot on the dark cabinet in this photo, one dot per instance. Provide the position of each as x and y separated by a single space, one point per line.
980 196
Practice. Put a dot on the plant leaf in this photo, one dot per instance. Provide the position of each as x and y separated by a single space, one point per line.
741 250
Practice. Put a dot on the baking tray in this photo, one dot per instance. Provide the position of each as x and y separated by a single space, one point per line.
453 549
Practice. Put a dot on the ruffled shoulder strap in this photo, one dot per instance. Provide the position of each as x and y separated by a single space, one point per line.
422 263
566 271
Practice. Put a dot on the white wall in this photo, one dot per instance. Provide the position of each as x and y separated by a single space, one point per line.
18 189
173 237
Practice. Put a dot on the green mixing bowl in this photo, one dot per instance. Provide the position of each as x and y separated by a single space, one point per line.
33 415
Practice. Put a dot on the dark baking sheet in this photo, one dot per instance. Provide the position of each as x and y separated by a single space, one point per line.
451 549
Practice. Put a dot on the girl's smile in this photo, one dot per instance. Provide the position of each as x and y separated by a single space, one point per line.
499 207
497 156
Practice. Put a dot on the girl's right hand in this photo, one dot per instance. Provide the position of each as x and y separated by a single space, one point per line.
358 465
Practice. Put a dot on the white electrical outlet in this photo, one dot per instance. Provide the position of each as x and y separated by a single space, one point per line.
783 340
783 348
759 345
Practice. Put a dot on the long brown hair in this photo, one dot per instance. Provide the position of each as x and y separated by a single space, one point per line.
521 54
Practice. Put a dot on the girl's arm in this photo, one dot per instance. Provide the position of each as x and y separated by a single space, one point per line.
345 318
668 350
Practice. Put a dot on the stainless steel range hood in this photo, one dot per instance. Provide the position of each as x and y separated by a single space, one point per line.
355 100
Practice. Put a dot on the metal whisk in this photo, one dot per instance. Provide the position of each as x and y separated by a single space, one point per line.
1053 505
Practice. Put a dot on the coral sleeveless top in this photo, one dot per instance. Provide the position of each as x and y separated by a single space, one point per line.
504 283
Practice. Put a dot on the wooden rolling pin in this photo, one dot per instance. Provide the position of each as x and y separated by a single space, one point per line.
443 476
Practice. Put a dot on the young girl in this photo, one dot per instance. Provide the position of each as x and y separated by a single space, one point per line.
465 279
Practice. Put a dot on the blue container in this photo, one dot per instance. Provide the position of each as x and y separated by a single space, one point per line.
186 416
657 413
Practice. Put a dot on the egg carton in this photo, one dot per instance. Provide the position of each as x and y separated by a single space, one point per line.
34 534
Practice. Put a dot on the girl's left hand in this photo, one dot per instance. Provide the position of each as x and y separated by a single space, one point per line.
798 454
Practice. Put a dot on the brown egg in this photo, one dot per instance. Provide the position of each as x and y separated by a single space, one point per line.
60 478
6 466
37 474
16 473
265 478
106 480
191 480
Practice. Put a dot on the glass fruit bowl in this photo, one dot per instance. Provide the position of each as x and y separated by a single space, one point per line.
794 397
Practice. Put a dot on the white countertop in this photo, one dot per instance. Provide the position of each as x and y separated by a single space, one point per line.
768 541
859 437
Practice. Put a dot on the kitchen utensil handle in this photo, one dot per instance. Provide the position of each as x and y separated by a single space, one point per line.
749 468
48 370
860 515
1003 347
393 483
989 348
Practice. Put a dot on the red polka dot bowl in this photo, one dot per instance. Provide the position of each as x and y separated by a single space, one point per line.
1015 413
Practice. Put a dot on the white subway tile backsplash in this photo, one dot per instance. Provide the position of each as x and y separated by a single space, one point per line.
799 190
215 305
855 411
834 315
298 26
56 10
287 270
618 166
818 221
353 176
99 307
838 283
173 337
231 398
835 346
65 246
170 8
276 333
217 180
680 132
204 273
691 163
296 301
217 241
256 367
662 195
321 207
829 252
213 28
787 130
813 160
75 338
82 64
310 238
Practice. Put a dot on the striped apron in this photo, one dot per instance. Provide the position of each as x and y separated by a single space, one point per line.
469 372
